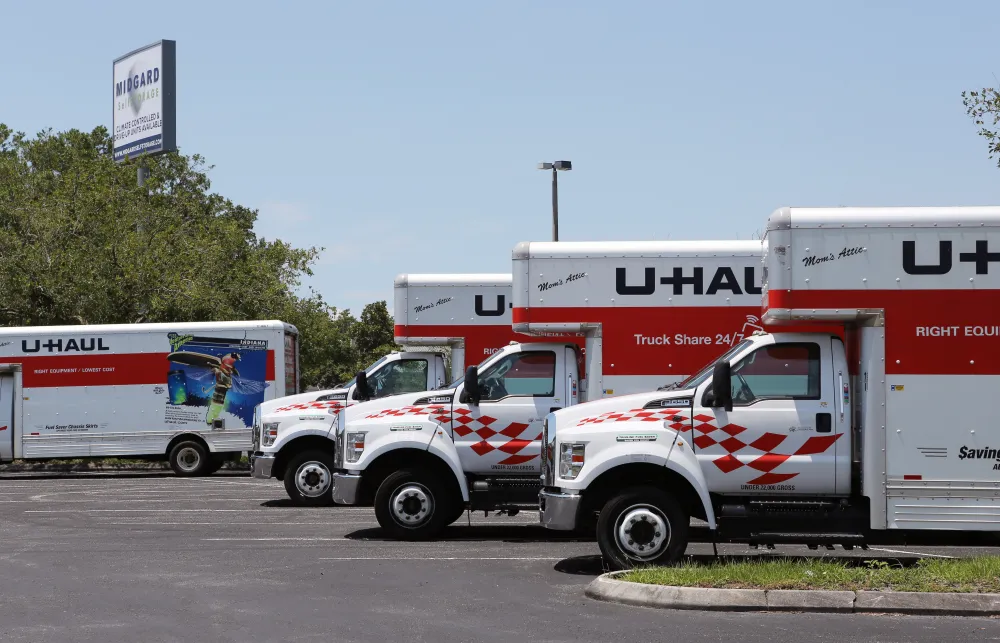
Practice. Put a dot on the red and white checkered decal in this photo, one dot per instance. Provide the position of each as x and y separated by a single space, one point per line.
708 435
464 424
313 406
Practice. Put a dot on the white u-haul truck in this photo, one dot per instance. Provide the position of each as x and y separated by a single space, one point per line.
423 458
467 315
885 436
185 391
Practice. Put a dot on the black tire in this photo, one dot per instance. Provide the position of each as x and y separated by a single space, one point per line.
456 514
658 534
413 504
190 458
309 479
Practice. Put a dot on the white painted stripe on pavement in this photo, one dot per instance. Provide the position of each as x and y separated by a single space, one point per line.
911 553
443 558
273 539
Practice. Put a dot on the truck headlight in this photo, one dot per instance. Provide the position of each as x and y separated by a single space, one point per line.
571 456
269 434
355 446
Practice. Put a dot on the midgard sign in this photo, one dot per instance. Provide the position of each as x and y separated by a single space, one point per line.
145 84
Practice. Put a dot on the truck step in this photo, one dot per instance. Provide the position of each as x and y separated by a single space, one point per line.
846 539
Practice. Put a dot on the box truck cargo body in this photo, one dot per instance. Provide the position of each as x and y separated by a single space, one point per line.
186 391
653 312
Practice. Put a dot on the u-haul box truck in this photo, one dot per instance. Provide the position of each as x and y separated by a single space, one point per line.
879 433
467 314
651 313
186 391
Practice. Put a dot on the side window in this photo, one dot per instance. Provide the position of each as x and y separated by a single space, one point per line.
403 376
522 374
779 371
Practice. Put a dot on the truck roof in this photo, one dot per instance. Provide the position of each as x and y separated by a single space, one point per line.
901 217
634 249
470 279
141 328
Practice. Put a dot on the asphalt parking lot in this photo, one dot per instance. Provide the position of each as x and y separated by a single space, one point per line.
159 558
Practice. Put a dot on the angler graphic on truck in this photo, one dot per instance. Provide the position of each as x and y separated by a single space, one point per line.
226 375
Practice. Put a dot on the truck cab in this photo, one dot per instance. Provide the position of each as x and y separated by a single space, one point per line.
423 458
291 439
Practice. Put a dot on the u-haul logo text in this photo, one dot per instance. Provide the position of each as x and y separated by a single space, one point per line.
84 344
723 279
981 257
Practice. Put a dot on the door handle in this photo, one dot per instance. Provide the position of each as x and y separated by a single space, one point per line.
554 409
824 423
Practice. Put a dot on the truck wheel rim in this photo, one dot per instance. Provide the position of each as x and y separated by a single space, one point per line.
188 459
312 479
642 532
412 505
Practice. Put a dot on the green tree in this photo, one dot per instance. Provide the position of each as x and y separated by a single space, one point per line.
81 243
983 106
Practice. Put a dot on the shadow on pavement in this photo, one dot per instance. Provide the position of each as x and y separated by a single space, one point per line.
595 566
459 533
581 566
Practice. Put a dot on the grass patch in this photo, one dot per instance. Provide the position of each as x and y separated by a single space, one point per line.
927 575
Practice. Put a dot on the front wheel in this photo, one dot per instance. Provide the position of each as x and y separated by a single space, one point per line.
309 479
414 505
642 526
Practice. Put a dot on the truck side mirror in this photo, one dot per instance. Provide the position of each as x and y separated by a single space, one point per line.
361 390
722 387
471 393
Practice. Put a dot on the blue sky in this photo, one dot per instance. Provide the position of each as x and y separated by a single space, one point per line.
404 136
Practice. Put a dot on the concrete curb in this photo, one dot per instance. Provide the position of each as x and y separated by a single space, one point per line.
607 588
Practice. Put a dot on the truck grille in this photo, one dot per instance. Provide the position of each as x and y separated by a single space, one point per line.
256 429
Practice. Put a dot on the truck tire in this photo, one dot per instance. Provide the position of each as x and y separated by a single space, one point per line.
309 479
642 526
190 458
413 504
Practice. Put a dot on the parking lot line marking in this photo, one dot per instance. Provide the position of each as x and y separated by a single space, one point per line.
445 558
270 539
240 524
162 511
912 553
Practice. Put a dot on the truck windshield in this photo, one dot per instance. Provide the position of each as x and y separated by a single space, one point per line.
459 381
367 370
702 375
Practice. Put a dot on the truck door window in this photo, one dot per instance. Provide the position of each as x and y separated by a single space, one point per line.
403 376
531 374
778 371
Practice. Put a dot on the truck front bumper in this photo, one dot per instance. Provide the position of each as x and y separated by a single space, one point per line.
345 488
558 510
262 464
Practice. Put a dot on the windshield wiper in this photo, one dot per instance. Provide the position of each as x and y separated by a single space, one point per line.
670 387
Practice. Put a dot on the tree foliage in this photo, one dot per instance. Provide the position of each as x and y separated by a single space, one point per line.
983 106
82 243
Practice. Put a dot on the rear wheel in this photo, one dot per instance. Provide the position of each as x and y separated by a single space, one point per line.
309 479
642 526
413 504
190 458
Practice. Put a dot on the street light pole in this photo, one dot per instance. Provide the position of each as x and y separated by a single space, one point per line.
555 205
556 168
